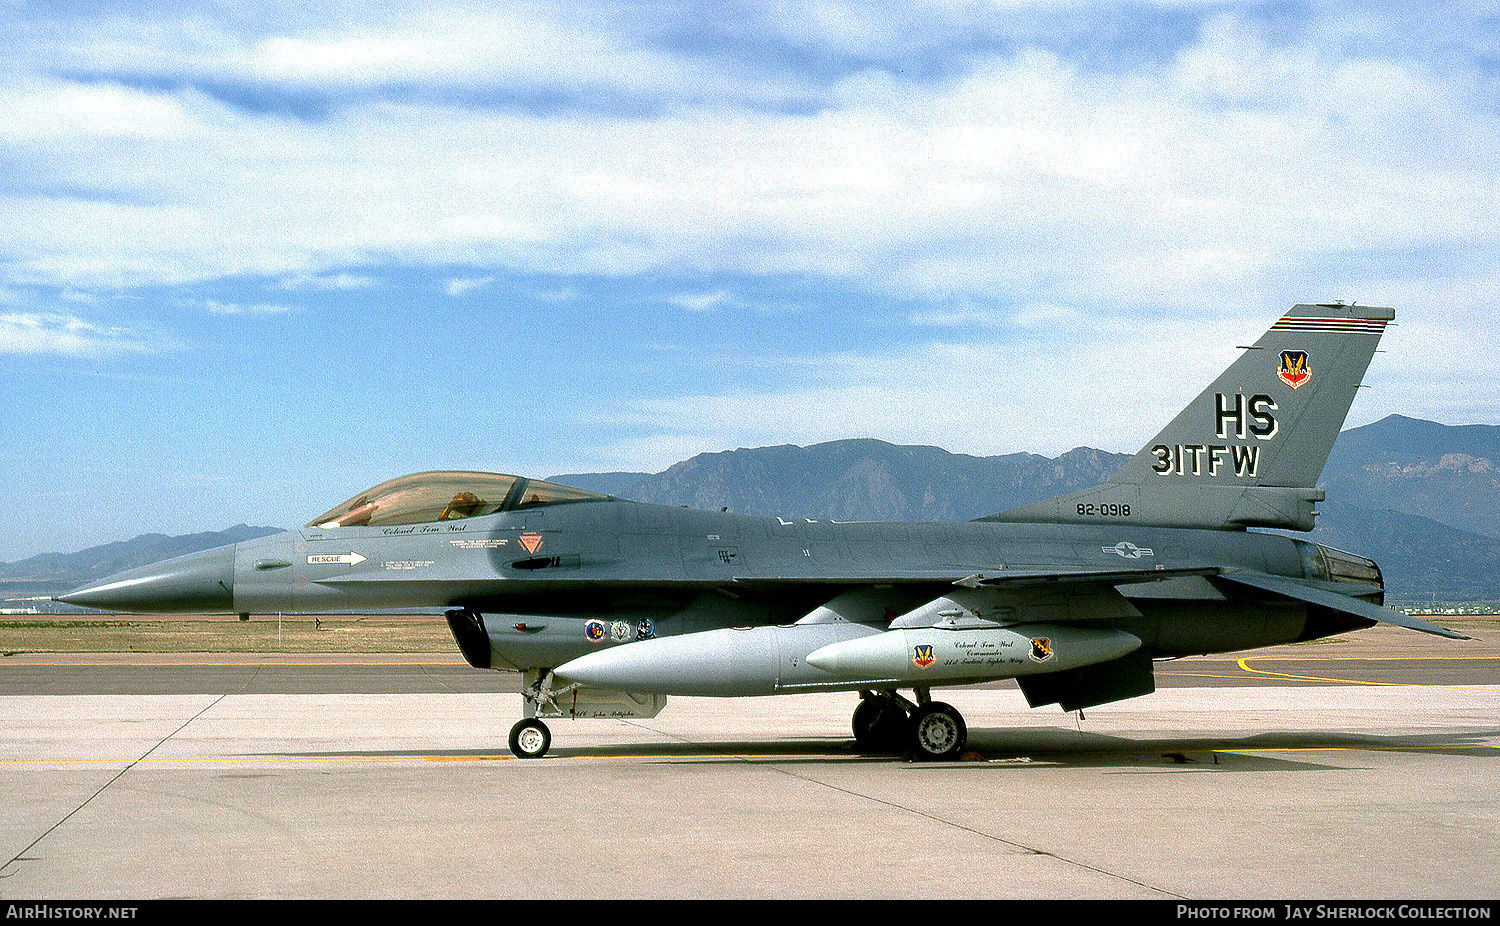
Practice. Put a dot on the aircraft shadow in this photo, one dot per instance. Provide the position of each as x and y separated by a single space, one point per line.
1013 749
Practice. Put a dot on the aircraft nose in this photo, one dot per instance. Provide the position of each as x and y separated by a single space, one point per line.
197 582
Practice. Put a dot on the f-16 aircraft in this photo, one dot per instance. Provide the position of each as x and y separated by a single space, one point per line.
608 606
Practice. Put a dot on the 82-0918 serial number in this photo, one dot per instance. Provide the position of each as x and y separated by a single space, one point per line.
1104 511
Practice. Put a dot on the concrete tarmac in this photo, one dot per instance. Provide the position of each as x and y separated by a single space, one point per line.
1361 769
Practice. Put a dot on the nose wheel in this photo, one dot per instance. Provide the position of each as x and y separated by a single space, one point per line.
530 739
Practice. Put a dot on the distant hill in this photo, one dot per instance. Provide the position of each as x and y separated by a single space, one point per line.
868 480
1450 474
106 559
1421 498
1423 560
617 484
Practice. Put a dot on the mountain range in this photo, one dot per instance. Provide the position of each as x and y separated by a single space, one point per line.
1418 497
1421 498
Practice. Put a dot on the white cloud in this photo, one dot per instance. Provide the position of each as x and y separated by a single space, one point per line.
1239 172
700 302
1199 180
559 295
328 282
39 111
237 308
353 50
462 286
1045 391
70 336
966 316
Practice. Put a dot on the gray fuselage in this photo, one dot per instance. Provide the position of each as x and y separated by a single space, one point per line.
555 569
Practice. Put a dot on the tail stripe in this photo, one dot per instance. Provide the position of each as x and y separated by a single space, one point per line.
1359 325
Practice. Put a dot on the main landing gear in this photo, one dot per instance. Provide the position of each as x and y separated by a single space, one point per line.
885 722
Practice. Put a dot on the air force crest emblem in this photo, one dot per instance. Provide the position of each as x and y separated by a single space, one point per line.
1041 649
1294 370
922 656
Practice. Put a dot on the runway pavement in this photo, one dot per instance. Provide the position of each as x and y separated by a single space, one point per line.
1364 768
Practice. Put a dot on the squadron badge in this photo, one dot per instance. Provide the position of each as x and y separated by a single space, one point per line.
1294 370
1041 649
922 656
594 630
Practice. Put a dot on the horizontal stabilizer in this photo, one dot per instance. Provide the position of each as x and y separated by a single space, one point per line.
1291 588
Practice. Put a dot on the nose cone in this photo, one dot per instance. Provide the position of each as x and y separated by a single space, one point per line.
197 583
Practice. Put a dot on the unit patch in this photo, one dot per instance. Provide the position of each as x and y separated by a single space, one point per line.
1294 370
594 630
646 629
1041 649
620 631
922 656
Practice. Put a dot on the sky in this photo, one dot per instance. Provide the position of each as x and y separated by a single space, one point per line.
256 258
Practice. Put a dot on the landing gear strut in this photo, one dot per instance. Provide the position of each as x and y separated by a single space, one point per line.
530 738
881 723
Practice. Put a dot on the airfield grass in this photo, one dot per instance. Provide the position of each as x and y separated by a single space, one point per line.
261 634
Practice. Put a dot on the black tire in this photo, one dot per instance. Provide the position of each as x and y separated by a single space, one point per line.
938 732
881 725
530 739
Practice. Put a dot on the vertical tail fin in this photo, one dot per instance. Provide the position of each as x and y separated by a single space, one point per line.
1249 450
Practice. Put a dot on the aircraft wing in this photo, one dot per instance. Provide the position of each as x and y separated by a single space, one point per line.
992 576
1055 575
1291 588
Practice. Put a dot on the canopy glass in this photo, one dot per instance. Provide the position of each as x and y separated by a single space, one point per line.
447 496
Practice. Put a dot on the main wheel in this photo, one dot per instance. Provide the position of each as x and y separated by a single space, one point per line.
881 725
938 731
529 739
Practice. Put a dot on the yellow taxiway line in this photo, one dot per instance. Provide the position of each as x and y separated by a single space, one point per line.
1346 681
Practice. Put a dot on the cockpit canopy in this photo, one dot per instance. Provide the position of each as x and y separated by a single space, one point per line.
447 496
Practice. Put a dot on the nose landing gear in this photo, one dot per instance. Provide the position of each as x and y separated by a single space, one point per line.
530 739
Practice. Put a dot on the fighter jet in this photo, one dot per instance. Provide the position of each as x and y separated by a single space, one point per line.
608 606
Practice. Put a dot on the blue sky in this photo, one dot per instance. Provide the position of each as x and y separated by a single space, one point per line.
255 259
